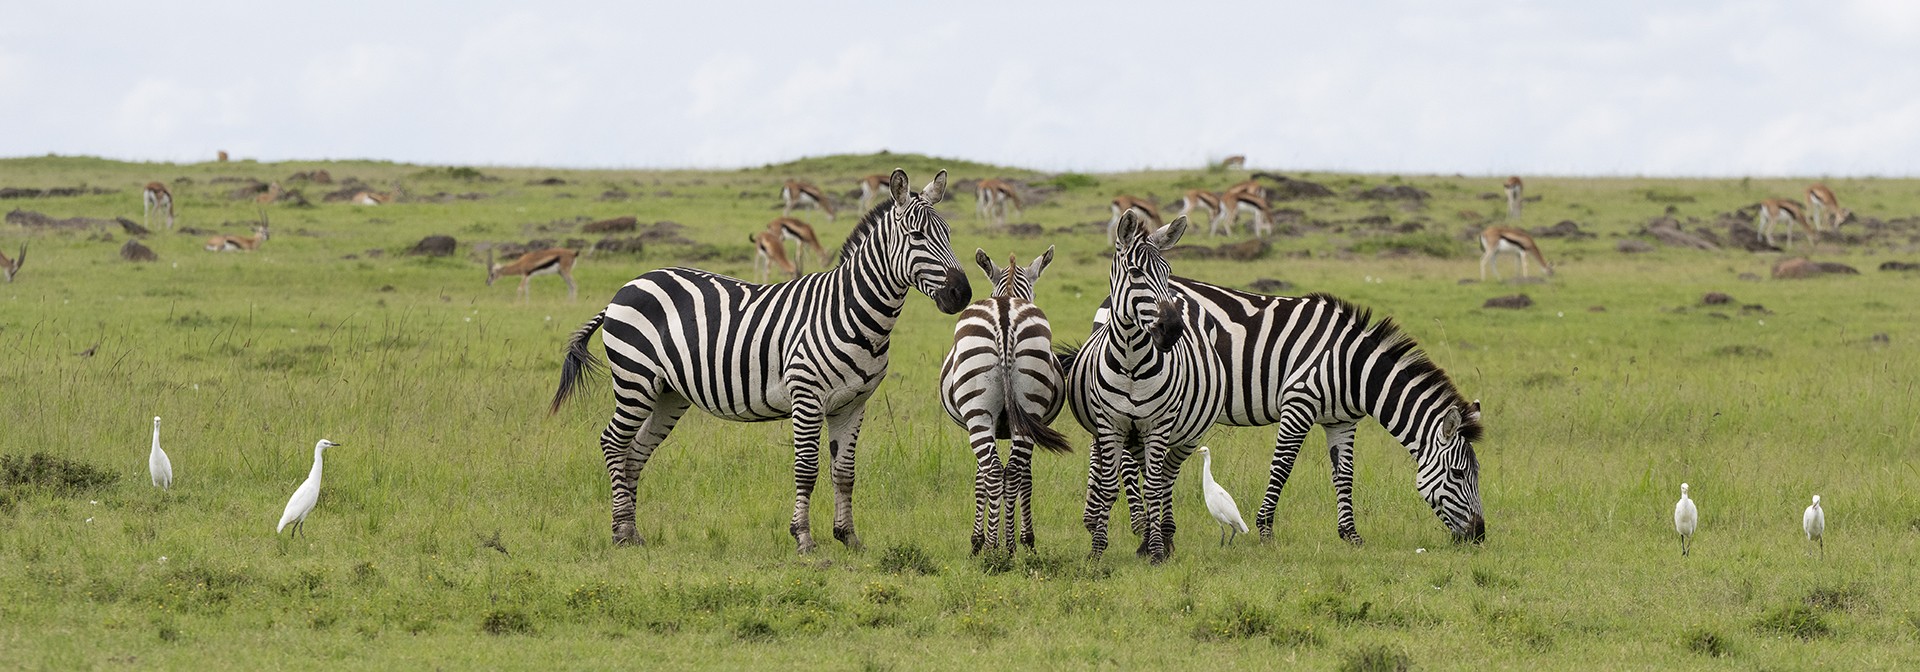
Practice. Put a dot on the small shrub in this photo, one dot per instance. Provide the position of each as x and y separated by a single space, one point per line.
53 472
907 558
1071 181
882 593
754 629
506 622
1238 620
1798 620
168 633
1380 658
994 563
594 596
1063 566
1707 643
1837 598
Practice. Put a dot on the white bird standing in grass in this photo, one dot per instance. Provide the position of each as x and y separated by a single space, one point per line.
1814 521
304 498
1685 518
158 465
1219 503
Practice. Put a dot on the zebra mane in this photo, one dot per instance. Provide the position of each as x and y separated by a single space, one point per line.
1386 337
864 230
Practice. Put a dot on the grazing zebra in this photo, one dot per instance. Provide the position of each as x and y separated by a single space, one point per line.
1297 362
813 350
1147 384
1000 381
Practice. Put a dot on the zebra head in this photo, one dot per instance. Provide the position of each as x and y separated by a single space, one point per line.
1140 292
1014 281
1449 474
925 260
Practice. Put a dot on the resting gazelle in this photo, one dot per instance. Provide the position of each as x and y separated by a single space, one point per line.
992 197
1498 239
156 196
797 193
1514 188
237 243
1122 203
1825 209
12 266
770 251
789 228
551 260
1773 210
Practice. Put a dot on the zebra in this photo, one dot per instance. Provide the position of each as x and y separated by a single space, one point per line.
1147 383
1297 362
813 350
1000 381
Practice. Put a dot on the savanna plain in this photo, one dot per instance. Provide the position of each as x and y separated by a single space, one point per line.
461 525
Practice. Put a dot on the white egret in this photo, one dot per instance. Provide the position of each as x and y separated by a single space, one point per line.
306 496
1686 519
158 466
1814 521
1219 503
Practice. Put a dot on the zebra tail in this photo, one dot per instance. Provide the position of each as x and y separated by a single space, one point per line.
579 362
1019 421
1065 353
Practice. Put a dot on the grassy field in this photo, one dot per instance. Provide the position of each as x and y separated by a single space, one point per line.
460 525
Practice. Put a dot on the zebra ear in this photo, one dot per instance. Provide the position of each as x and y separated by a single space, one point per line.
1038 265
1125 230
897 184
986 263
1170 234
935 190
1450 423
1473 411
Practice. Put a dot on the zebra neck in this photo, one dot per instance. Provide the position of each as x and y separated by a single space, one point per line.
875 299
1128 342
1403 408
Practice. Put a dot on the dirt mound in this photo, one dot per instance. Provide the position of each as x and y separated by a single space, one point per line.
1716 299
1396 192
615 225
1567 228
1025 230
1795 268
1269 286
1666 229
630 245
434 246
665 232
549 182
131 227
1513 301
315 176
1633 246
1899 266
35 220
1246 250
1286 188
134 251
51 192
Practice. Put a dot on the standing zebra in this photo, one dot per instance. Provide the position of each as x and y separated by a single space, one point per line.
1147 384
1297 362
1000 381
813 350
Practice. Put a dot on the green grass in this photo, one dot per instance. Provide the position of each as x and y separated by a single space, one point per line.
461 526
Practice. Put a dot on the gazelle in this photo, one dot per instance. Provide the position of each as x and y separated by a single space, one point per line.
1234 162
156 196
551 260
12 266
789 228
1514 188
1204 200
1122 203
796 193
871 186
237 243
223 156
770 251
1250 185
373 197
992 199
1498 239
1252 199
1772 210
270 195
1825 208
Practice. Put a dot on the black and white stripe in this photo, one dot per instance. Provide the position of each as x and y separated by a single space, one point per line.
1298 362
1147 384
1000 381
813 350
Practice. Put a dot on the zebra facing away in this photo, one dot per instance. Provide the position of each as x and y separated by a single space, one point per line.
1147 384
1298 362
1000 381
813 349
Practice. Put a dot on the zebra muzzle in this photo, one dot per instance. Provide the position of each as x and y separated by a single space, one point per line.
1168 326
954 293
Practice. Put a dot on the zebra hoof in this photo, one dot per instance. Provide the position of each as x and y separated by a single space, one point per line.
1028 540
1352 537
1142 551
978 541
847 537
805 542
625 535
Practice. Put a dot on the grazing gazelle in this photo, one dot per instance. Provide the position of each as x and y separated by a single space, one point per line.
796 193
1498 239
789 228
992 199
770 251
156 196
12 266
1825 208
1514 187
238 243
1204 200
1249 185
550 260
871 186
1252 199
1123 203
1773 210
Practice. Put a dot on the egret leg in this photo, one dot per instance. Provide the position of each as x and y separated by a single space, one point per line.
1235 534
1223 535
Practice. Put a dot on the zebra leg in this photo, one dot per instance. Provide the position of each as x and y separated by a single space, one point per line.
843 431
1177 456
1340 455
1294 423
634 408
980 438
1158 495
1020 488
1136 502
807 419
1101 487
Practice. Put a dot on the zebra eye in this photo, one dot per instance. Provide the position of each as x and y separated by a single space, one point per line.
1135 273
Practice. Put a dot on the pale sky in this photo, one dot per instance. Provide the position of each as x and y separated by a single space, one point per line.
1742 87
